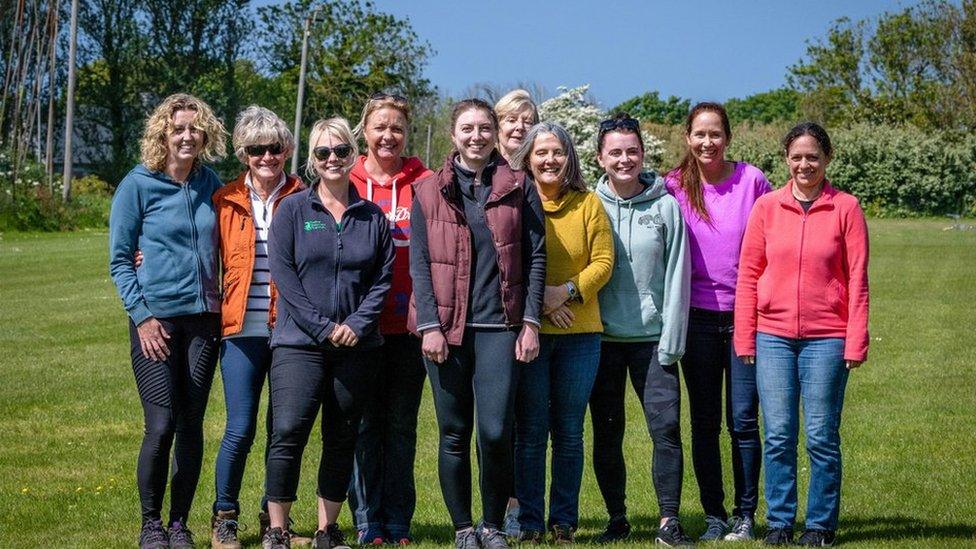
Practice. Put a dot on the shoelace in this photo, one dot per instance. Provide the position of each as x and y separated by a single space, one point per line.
180 534
738 525
336 535
153 532
277 536
227 529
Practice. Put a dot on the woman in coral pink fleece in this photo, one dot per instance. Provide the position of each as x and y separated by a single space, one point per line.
801 316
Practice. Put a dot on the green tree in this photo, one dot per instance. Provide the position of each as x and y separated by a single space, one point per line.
650 108
766 107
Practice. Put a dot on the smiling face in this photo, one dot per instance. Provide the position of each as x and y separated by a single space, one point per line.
512 128
385 132
267 166
184 141
547 161
474 136
807 162
621 157
707 139
332 169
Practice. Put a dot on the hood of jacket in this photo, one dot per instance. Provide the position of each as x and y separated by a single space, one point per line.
412 170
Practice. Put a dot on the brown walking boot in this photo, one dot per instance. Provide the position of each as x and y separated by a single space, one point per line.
265 521
223 524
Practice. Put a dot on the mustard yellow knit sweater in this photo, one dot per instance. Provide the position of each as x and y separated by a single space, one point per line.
579 247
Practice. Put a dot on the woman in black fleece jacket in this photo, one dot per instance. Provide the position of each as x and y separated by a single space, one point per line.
331 258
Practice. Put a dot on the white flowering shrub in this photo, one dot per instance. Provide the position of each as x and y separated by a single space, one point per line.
581 117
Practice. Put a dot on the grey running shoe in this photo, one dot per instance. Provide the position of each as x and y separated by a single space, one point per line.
331 538
779 536
264 520
466 539
180 537
511 525
153 535
275 538
492 538
740 529
715 529
672 535
816 538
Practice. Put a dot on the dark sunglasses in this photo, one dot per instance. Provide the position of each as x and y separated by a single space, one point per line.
383 95
259 150
341 151
611 124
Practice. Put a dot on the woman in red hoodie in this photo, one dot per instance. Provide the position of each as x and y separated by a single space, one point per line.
382 495
801 316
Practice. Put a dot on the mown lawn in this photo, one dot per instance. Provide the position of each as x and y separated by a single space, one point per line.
70 420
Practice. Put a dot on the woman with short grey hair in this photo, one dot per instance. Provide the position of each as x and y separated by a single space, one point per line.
245 207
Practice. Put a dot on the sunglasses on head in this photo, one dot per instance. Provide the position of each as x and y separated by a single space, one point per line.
611 124
383 95
341 151
259 150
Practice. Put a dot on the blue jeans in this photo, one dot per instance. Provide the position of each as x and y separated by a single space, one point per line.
244 363
553 392
786 370
382 496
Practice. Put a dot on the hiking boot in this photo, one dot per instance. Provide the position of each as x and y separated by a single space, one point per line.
715 529
275 538
672 535
817 538
563 534
492 538
618 529
534 537
511 525
264 520
331 538
740 529
223 524
180 537
465 539
779 536
153 535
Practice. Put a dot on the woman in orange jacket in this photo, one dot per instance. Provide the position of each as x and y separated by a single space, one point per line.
245 207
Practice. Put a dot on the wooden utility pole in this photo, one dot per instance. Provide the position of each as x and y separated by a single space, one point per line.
70 103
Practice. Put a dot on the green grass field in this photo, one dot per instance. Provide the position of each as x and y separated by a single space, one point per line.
70 420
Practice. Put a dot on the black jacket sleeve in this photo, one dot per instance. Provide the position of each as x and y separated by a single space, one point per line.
423 286
533 253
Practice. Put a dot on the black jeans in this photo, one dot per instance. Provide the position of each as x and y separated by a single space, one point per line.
174 397
382 496
659 389
303 379
480 373
708 360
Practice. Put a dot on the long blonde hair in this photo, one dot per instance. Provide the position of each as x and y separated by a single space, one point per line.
153 146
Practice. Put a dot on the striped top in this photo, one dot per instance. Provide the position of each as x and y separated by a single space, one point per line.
259 292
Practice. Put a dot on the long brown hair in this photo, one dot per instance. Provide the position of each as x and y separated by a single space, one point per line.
688 167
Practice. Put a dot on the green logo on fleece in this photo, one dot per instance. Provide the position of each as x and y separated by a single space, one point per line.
314 226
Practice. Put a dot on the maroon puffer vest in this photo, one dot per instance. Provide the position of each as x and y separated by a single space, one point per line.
449 245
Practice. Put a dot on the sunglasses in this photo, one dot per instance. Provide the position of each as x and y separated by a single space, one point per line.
259 150
383 95
323 153
611 124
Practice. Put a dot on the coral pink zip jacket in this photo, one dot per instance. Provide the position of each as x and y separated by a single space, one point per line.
804 275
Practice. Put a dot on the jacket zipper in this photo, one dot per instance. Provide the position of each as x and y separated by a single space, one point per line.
799 272
193 242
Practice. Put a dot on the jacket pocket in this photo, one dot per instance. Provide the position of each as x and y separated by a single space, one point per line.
837 297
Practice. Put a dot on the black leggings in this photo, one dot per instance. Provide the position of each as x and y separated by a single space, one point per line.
174 397
480 373
303 379
659 389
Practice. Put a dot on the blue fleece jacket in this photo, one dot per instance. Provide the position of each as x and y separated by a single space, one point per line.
649 291
329 272
175 227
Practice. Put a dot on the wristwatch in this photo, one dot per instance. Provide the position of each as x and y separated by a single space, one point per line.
573 291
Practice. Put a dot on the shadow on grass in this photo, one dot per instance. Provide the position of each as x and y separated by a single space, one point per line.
893 528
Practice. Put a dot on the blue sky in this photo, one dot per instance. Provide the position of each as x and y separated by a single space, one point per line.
702 50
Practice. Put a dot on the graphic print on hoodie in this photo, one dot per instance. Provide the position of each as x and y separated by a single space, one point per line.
394 197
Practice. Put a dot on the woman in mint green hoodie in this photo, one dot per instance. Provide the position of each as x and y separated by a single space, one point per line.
644 310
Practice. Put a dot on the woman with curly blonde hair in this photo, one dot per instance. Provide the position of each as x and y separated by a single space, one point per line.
163 207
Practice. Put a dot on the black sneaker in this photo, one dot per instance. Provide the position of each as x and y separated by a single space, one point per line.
331 538
275 538
817 538
153 535
466 539
533 537
492 538
180 537
779 536
618 529
672 535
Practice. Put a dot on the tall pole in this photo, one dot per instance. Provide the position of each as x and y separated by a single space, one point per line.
70 103
301 94
49 154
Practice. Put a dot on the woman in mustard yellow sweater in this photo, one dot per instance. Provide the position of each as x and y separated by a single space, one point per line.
554 388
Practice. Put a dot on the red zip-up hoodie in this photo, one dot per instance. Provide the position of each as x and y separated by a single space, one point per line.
395 198
804 275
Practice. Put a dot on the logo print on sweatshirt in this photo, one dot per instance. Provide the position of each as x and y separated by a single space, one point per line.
651 219
314 225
